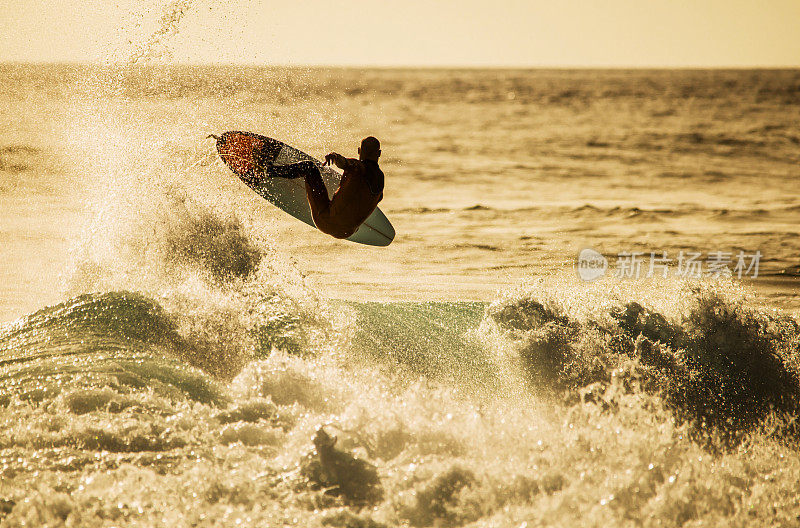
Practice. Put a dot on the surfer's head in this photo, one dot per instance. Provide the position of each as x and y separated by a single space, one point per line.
370 149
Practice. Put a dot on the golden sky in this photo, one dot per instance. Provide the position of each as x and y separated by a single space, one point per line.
635 33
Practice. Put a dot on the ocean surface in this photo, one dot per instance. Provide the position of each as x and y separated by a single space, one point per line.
175 351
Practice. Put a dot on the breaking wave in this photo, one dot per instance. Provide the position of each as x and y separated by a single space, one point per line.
427 414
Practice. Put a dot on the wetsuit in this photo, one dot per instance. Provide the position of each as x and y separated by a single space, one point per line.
358 194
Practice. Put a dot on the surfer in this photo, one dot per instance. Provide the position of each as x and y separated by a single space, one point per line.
356 198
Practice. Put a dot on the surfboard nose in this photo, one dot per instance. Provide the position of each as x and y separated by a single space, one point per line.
241 152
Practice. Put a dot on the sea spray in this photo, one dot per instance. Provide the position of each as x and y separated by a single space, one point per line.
719 364
593 445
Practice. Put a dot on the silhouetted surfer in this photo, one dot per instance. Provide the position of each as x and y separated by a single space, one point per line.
356 198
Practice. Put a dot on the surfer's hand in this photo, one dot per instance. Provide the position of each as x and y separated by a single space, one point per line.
330 158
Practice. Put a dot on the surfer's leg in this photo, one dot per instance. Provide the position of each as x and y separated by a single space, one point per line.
316 192
293 170
317 195
321 207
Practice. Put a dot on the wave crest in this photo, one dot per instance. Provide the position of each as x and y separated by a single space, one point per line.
720 366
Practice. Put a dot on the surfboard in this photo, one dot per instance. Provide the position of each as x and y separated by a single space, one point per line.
247 155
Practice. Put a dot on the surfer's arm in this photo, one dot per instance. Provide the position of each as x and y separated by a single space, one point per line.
340 161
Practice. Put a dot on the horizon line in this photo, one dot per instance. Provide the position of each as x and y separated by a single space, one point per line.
403 66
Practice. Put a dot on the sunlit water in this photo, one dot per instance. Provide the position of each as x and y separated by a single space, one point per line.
185 341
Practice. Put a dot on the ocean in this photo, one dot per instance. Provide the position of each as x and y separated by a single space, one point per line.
589 315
